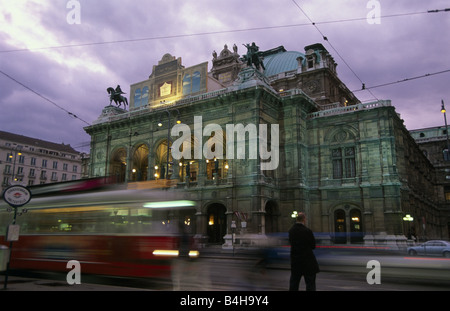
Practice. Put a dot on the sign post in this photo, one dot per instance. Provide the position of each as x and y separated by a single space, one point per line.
16 196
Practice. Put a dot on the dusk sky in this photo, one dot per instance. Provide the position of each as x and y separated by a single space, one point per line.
57 62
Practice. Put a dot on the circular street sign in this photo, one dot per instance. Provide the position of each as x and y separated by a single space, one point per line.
17 196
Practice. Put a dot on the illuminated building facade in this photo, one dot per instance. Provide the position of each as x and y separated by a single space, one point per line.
29 161
352 167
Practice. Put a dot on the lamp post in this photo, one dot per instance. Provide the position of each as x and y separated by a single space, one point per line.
178 120
447 158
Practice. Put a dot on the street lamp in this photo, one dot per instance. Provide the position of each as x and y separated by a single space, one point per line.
178 120
447 158
409 219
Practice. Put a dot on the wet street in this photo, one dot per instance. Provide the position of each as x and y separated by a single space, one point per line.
340 271
243 275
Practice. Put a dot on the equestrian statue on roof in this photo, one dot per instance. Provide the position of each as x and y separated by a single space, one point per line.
116 96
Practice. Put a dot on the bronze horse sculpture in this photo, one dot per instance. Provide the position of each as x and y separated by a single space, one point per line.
116 96
253 56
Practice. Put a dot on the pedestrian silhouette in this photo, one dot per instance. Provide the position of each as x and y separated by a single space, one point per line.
303 260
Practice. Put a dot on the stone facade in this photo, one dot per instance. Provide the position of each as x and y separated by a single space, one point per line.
352 167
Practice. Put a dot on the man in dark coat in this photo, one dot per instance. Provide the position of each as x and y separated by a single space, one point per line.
303 260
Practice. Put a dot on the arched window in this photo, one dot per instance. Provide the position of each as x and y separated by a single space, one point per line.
144 96
191 84
196 78
187 85
137 98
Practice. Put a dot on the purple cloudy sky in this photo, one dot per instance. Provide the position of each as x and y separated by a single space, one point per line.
118 42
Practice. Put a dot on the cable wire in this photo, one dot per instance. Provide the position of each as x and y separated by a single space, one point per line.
220 32
42 96
334 49
404 80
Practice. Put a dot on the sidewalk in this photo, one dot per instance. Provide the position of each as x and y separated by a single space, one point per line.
16 283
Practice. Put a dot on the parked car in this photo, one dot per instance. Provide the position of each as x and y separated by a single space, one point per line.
431 248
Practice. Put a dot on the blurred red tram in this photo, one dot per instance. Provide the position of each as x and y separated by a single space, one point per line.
132 233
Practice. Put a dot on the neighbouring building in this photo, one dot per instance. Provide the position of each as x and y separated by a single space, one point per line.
30 161
352 167
434 142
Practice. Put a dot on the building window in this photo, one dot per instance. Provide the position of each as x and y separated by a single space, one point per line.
447 194
446 155
137 98
191 84
55 165
75 169
144 96
343 161
44 163
33 161
65 166
187 84
196 82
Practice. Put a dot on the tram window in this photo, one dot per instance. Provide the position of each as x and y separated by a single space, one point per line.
106 220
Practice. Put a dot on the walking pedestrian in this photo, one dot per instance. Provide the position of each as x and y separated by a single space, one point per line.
303 260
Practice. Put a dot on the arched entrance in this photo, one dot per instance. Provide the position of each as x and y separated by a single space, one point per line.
118 164
348 226
340 227
356 233
139 167
271 217
163 161
217 223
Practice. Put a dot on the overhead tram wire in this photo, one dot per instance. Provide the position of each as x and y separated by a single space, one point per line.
222 31
42 96
404 80
334 49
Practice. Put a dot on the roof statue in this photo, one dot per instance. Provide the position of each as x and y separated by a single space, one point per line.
253 57
116 96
